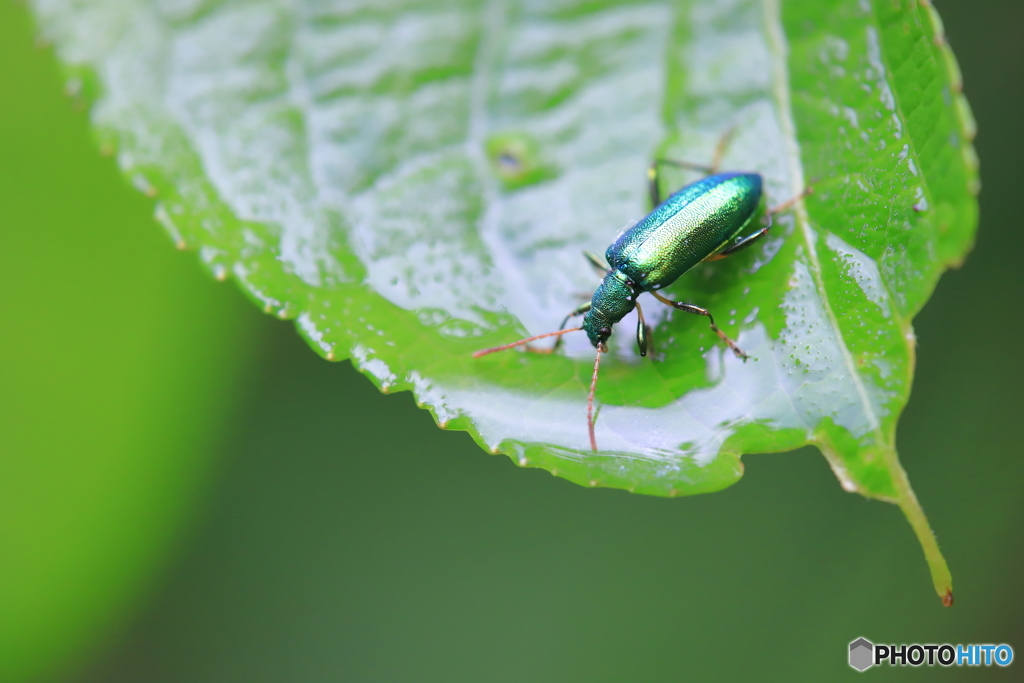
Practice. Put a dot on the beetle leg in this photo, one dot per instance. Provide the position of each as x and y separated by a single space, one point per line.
750 239
654 187
723 142
779 208
743 243
596 262
690 308
654 172
643 333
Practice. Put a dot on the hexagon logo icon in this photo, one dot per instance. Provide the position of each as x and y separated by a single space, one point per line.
861 654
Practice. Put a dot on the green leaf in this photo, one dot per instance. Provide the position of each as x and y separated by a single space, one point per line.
412 181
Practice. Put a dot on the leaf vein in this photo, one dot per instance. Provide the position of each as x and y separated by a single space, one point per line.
780 88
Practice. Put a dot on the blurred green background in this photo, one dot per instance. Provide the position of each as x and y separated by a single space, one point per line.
187 493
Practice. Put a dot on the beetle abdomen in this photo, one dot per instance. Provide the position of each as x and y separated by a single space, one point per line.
685 229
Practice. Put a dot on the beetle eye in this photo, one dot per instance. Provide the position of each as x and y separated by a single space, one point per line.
605 332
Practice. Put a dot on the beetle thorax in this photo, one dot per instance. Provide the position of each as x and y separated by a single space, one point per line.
613 299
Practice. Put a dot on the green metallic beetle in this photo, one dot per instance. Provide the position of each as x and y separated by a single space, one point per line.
701 222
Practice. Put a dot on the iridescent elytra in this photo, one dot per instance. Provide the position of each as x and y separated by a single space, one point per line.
703 221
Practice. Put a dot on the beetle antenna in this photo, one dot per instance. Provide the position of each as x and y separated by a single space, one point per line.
590 397
495 349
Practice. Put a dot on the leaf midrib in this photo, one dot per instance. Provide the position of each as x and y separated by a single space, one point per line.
778 50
